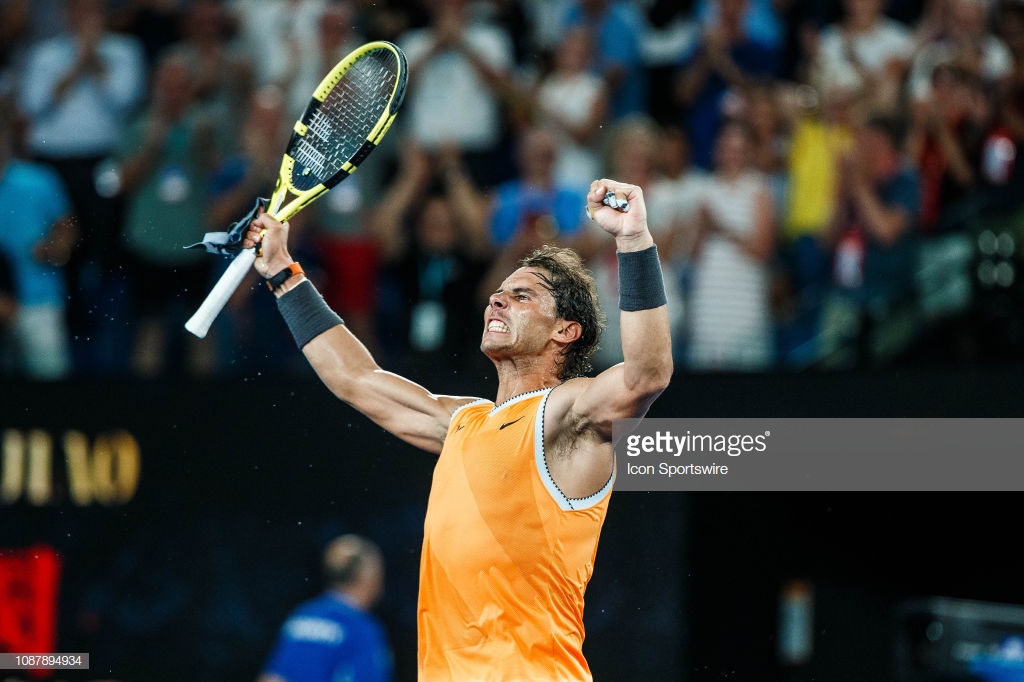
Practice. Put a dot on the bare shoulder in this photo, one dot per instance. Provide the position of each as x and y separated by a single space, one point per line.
450 403
426 426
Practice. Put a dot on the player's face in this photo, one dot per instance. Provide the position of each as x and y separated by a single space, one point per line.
520 316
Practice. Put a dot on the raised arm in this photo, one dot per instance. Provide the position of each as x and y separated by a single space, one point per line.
628 388
579 415
341 361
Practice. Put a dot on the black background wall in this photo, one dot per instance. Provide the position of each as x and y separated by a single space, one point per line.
243 481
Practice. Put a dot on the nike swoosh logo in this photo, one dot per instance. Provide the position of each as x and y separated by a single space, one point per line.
509 423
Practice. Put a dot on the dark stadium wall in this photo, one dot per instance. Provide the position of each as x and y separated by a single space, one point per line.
189 518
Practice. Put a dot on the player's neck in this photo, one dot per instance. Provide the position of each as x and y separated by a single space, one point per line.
516 378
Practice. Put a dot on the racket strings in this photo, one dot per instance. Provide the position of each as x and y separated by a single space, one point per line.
339 127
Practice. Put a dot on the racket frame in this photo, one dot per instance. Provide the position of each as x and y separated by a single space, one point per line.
200 322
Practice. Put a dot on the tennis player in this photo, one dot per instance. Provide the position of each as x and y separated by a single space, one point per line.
522 484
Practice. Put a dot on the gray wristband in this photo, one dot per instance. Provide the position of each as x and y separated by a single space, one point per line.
641 286
306 313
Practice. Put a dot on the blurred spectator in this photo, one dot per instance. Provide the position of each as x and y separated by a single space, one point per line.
670 33
730 325
544 24
879 206
803 21
78 90
636 155
165 159
868 46
382 19
761 20
533 209
511 17
224 78
431 224
459 70
677 193
823 125
674 199
536 205
37 242
13 22
573 103
1001 159
945 144
723 64
769 127
335 636
617 29
965 42
156 23
281 38
760 106
23 23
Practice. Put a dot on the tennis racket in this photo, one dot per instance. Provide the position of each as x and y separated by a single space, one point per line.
348 115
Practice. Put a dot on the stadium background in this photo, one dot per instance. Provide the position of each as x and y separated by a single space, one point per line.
186 572
191 576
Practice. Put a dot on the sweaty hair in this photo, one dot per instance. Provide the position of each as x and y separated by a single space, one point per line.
575 294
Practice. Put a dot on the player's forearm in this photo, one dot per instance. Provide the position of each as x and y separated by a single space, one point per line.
348 370
646 350
341 361
645 332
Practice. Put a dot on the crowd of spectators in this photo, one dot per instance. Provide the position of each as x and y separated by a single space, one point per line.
820 175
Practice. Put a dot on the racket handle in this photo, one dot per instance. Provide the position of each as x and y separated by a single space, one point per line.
218 297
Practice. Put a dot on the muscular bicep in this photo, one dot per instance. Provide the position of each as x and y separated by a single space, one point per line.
407 410
626 390
578 424
593 404
398 405
612 396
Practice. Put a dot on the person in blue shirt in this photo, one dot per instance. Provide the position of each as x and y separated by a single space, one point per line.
533 209
617 29
334 637
39 237
724 62
873 237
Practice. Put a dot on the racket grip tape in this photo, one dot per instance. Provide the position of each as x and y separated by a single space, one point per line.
199 323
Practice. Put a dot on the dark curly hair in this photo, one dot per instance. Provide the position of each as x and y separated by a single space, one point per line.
575 293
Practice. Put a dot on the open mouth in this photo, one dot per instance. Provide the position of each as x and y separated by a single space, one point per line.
497 326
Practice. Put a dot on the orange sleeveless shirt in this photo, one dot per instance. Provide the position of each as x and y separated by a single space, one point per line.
506 556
